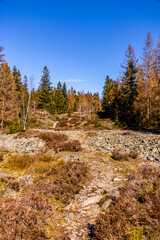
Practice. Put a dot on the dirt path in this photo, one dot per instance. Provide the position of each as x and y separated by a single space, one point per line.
107 176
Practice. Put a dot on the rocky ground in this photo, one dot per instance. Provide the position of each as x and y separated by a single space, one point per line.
147 144
23 145
106 174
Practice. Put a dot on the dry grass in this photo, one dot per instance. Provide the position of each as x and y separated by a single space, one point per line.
22 162
136 213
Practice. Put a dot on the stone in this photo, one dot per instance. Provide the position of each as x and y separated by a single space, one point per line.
117 179
91 200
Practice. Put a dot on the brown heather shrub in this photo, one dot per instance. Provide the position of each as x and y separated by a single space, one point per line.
62 123
26 217
133 154
20 220
53 139
59 142
136 213
13 183
27 134
73 146
119 155
62 180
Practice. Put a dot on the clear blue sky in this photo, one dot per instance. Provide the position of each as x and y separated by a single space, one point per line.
80 41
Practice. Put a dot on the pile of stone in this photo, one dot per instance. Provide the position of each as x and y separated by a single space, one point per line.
147 144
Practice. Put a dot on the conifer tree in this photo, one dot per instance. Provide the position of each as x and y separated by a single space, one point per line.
128 85
106 95
59 98
17 78
65 95
45 92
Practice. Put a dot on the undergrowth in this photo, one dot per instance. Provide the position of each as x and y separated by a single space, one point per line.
33 213
135 214
119 155
59 142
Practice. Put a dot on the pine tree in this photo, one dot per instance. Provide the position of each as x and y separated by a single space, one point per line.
66 101
59 98
128 85
106 95
45 92
17 78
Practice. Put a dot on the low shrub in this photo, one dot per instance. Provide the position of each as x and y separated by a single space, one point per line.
35 123
61 180
27 134
135 214
133 154
98 124
59 142
15 126
119 155
53 139
57 118
19 221
117 123
26 217
73 146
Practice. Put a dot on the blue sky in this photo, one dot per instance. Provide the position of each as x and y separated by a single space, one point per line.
80 41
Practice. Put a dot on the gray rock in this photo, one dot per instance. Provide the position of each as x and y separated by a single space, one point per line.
91 200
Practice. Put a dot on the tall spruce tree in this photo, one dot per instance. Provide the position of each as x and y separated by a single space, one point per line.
128 85
59 98
17 78
45 92
66 100
106 95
